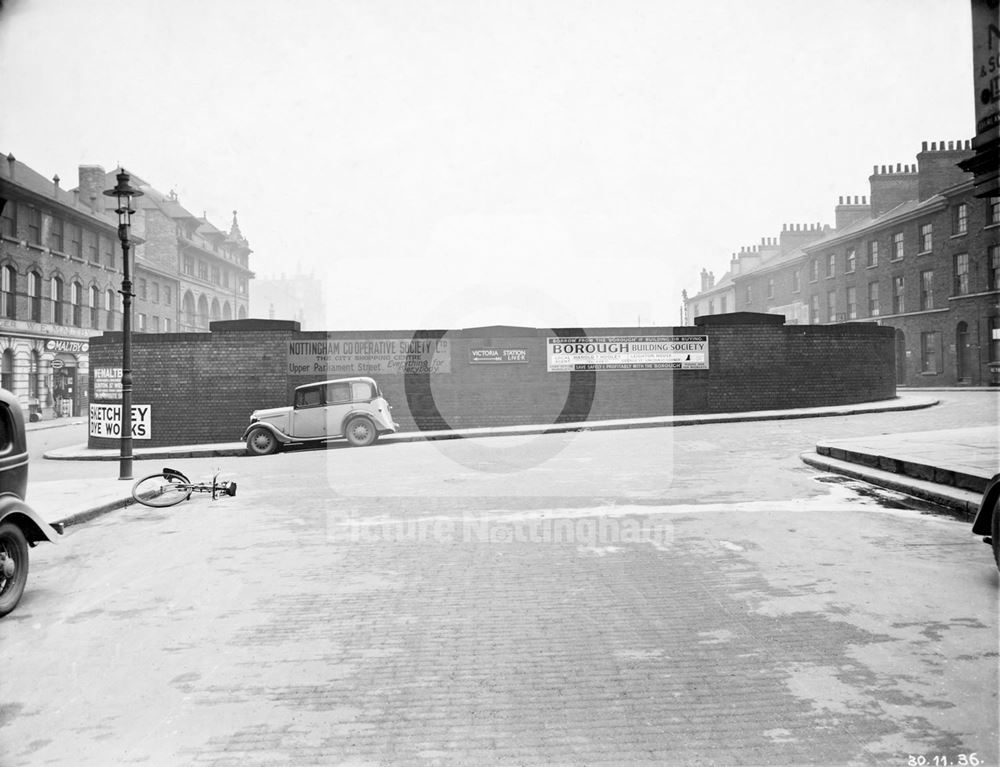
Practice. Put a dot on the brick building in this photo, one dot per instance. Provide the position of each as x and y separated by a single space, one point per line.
61 272
188 273
922 255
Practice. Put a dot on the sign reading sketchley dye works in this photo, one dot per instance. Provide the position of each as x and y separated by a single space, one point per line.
493 355
627 353
368 356
106 421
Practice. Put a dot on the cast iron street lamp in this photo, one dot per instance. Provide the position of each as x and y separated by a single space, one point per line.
124 194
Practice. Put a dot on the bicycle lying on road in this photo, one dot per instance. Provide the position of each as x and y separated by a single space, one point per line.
170 487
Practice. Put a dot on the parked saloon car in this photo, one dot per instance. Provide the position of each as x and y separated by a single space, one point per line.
353 408
987 521
20 526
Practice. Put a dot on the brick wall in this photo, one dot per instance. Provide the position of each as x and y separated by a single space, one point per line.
203 386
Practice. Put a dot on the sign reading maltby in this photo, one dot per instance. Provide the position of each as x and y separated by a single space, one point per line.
106 421
627 353
107 383
368 356
497 355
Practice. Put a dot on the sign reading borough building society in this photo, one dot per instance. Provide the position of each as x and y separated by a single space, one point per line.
627 353
368 356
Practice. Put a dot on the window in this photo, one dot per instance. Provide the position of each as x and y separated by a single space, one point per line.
108 252
156 292
770 288
926 238
34 226
56 286
851 261
831 264
202 270
34 368
8 220
188 267
873 309
961 219
166 324
961 274
216 278
993 266
243 287
814 270
109 308
156 324
76 299
993 211
898 302
795 281
711 306
95 304
8 292
166 295
90 247
338 393
873 253
813 310
142 322
35 295
930 356
927 290
57 240
995 339
225 278
361 391
831 306
897 245
75 240
7 370
749 294
141 288
312 397
852 303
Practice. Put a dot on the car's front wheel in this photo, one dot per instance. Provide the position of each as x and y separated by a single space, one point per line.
995 530
13 566
360 431
262 441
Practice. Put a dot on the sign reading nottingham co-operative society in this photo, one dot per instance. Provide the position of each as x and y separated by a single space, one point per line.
627 353
368 356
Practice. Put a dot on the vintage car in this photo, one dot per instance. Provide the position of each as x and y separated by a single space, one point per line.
987 521
352 408
20 526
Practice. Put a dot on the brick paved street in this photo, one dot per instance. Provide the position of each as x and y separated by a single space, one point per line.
446 621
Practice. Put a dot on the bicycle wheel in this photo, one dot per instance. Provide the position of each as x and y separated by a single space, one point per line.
159 490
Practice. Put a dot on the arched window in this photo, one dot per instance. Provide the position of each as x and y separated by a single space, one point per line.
216 310
109 308
227 311
188 313
76 299
8 292
95 304
7 370
57 300
35 294
202 311
243 313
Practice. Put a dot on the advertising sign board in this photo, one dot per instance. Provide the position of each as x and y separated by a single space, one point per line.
368 356
106 421
491 355
627 353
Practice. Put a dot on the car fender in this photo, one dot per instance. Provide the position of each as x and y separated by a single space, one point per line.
35 529
278 434
364 414
981 525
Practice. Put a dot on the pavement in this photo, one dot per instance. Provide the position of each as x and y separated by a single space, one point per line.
947 468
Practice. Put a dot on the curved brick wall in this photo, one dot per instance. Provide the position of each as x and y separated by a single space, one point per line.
202 386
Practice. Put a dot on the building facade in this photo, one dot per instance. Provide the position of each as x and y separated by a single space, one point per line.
922 256
61 273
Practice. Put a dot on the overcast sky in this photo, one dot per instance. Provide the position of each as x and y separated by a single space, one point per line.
475 162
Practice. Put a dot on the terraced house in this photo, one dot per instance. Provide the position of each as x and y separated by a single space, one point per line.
61 271
921 255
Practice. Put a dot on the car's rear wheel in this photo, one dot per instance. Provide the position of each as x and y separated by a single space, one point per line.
360 431
262 441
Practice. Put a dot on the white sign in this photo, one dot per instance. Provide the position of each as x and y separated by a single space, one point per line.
627 353
108 383
106 421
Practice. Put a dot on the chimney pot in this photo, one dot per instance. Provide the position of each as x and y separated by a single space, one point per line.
923 146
